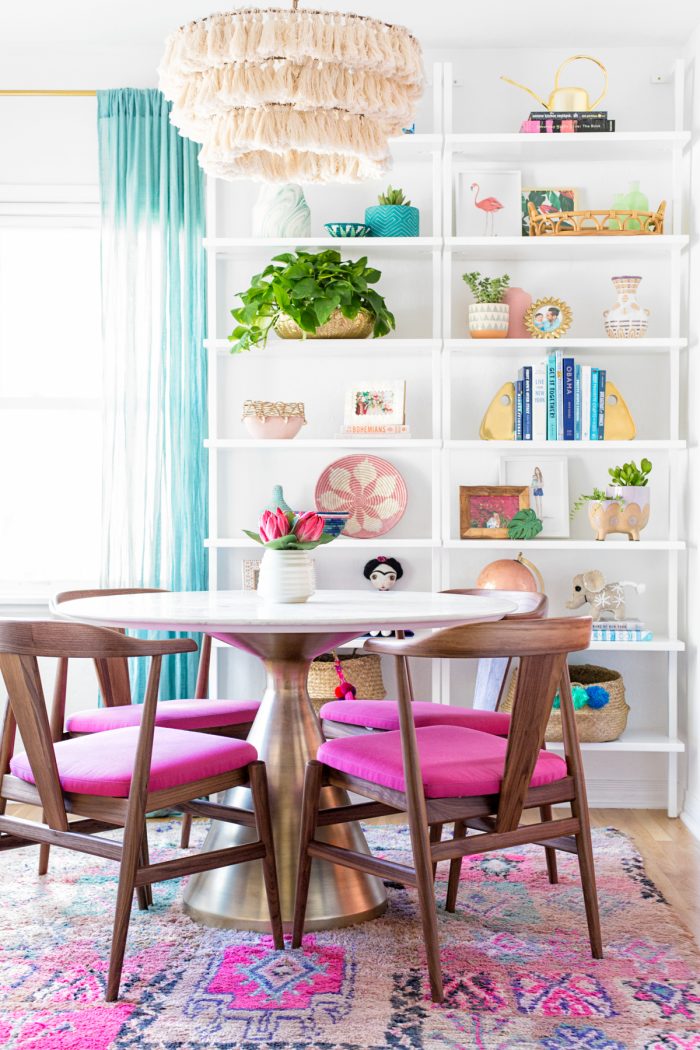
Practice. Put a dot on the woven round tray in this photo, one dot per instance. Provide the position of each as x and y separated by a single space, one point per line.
369 489
594 725
363 670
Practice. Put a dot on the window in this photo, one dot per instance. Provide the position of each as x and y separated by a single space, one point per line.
50 400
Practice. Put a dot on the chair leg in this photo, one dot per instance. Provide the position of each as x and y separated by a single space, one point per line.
309 808
44 849
261 808
144 894
420 844
549 851
435 836
185 829
590 894
455 869
132 847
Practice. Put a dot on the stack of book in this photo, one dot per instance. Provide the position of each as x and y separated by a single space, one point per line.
544 122
559 400
620 631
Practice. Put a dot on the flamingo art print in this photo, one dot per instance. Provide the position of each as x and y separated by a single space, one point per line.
490 206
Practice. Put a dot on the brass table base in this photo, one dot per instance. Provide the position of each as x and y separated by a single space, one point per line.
286 733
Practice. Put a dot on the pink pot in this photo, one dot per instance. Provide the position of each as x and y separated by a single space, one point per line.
519 302
274 426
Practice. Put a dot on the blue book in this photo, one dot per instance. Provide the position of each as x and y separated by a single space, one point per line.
577 403
559 356
602 380
551 398
568 398
594 404
519 410
525 375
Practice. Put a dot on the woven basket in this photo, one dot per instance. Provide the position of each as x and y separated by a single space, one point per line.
594 725
363 670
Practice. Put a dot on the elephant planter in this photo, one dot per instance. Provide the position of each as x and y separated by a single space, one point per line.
625 511
590 588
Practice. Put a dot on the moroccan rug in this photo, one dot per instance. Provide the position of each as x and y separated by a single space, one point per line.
518 972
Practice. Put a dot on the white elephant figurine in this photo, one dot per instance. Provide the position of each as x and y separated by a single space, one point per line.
590 587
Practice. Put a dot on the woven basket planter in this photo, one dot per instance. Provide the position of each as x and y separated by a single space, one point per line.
364 671
594 725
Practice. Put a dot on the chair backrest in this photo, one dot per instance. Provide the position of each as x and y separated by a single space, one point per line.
542 646
21 643
115 684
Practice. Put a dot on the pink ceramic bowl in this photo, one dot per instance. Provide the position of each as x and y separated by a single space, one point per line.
274 426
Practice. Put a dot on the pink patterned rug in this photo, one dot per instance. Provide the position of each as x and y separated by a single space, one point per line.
515 957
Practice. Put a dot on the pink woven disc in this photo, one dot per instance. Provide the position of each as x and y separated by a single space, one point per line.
371 490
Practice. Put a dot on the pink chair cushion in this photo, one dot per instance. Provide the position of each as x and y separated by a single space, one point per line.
171 714
384 714
455 762
102 764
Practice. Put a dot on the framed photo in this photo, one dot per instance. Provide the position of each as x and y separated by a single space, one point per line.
485 511
487 202
250 573
548 480
548 318
379 401
546 200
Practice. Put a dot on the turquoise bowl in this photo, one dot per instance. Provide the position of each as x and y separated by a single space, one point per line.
333 523
348 229
393 220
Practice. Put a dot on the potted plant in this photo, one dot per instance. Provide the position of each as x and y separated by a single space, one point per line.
624 506
394 216
286 569
311 295
488 316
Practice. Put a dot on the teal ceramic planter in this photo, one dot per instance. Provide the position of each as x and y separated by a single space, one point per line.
393 220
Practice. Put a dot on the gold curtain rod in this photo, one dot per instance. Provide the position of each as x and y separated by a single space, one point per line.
42 91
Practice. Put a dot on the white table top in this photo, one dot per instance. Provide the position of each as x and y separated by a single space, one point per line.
217 612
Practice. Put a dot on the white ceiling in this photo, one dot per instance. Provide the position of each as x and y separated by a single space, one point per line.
74 24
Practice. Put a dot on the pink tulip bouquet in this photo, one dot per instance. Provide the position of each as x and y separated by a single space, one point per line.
290 532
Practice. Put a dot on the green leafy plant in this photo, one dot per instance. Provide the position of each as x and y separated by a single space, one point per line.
486 289
308 287
597 496
631 474
393 196
524 525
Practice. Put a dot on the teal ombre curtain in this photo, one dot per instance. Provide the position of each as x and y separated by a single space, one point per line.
155 372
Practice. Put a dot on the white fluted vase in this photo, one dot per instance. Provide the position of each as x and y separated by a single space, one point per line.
286 577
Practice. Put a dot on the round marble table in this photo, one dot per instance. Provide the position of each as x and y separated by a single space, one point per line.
286 731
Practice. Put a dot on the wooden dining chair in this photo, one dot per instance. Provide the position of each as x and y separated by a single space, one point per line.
233 718
348 718
112 779
444 774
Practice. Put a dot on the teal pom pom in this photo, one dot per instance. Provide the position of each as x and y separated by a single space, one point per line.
597 696
580 697
557 702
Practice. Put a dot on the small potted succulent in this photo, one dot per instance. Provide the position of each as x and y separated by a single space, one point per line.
394 216
286 569
311 295
624 506
488 315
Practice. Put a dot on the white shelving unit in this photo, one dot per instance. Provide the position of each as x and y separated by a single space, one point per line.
430 347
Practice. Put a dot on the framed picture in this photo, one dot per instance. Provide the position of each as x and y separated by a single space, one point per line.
485 511
376 401
546 200
250 573
548 318
487 202
548 480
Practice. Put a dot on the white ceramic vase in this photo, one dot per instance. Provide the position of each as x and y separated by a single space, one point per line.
488 320
286 577
281 211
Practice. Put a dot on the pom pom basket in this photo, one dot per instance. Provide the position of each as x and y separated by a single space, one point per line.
595 725
364 671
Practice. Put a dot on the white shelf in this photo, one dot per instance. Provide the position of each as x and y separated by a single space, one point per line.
588 146
268 444
633 740
645 346
333 347
658 444
617 546
342 543
656 645
415 147
540 249
244 247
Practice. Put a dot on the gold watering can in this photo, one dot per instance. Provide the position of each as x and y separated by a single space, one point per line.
567 98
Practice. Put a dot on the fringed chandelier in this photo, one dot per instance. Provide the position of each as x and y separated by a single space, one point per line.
292 95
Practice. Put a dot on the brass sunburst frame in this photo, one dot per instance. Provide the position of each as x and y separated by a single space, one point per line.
564 312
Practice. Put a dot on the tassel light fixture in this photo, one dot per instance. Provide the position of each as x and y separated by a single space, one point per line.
281 95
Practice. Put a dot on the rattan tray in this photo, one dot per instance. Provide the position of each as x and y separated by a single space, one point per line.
596 223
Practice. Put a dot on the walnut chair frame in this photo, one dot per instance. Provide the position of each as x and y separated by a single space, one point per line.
542 647
21 643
